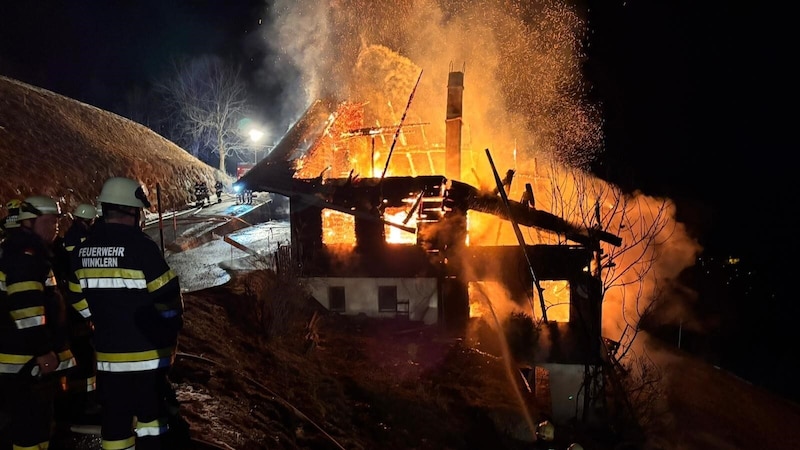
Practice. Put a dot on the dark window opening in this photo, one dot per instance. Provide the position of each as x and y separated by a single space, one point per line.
387 298
336 298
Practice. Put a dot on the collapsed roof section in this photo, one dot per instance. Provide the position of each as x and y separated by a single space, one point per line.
288 168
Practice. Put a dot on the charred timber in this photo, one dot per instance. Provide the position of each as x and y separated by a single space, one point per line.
466 197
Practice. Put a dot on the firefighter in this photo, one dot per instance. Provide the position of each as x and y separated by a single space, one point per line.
33 338
76 398
218 186
137 311
82 220
201 193
10 222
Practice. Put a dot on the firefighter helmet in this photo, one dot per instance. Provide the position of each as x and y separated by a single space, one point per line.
36 206
85 211
125 192
545 431
575 446
13 212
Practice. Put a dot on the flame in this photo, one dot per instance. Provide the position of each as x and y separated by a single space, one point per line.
556 300
396 235
338 228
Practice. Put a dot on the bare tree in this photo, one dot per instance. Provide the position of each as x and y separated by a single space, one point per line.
631 277
206 100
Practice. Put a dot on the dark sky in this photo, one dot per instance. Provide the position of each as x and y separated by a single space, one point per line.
696 97
693 93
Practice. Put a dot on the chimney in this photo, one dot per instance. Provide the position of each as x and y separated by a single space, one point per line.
452 143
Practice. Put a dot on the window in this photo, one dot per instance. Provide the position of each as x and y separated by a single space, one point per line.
387 298
336 298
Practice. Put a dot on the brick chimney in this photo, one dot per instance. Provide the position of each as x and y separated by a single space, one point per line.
452 143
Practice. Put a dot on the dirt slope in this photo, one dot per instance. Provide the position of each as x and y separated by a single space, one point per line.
53 145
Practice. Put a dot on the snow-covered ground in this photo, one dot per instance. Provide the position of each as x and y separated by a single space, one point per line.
205 266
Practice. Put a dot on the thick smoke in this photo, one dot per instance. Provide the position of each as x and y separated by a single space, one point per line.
521 62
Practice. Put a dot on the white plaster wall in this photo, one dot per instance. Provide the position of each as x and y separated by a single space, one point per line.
565 387
361 295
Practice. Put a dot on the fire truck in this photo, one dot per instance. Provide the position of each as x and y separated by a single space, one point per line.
243 168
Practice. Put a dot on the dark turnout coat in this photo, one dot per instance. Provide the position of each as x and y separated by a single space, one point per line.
32 309
133 296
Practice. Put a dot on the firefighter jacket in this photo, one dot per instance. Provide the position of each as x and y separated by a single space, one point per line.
31 305
133 295
77 233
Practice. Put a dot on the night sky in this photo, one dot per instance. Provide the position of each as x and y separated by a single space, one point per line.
693 95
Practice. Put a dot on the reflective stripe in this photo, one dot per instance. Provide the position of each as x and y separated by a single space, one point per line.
13 363
112 283
3 281
161 281
24 313
136 361
124 444
83 308
74 287
40 446
79 385
155 428
114 278
66 360
70 248
23 286
30 322
51 280
28 317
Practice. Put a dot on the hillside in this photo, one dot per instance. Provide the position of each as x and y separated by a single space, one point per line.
56 146
250 378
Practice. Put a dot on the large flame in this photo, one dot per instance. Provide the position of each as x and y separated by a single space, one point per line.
524 99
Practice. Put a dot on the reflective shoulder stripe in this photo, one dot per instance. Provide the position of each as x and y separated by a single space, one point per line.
153 428
123 444
23 286
70 248
161 281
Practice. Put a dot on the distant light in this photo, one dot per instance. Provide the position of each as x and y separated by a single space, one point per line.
256 135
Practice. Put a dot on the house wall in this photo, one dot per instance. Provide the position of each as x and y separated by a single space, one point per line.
361 296
566 391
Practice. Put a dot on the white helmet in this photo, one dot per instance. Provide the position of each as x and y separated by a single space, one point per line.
546 431
85 211
36 206
13 212
125 192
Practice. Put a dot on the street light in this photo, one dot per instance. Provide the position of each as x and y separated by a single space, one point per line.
255 136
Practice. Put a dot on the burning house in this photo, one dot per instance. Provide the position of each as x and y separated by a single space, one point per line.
389 245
